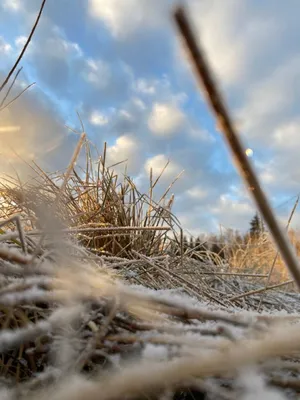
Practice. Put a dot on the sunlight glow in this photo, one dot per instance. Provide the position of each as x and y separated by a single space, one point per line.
4 129
249 152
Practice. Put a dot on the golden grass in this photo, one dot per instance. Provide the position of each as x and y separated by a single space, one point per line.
91 199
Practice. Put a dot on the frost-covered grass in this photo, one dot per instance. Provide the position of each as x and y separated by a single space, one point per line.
81 329
91 313
103 209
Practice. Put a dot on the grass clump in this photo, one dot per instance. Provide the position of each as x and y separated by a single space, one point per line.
103 210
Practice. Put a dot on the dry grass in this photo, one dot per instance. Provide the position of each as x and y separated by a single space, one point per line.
256 255
73 326
96 203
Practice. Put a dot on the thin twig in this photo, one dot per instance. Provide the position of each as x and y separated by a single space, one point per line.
205 78
181 247
10 87
25 46
16 98
216 273
260 290
105 229
72 162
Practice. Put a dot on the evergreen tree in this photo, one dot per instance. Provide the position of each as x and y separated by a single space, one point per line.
256 226
192 243
198 243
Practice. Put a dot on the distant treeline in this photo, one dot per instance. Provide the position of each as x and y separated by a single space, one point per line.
224 243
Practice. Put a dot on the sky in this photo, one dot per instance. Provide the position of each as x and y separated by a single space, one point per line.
120 64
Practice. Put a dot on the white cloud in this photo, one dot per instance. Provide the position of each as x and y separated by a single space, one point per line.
165 119
71 47
267 176
158 163
97 72
145 87
20 41
40 138
5 47
197 192
125 148
139 103
232 213
216 23
126 115
98 119
288 136
154 86
54 46
124 18
201 134
232 34
13 5
197 220
271 99
281 170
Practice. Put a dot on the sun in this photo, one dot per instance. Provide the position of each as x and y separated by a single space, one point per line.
249 152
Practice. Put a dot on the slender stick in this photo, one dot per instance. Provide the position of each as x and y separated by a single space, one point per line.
215 273
260 290
10 88
25 46
104 229
181 247
73 161
213 97
17 96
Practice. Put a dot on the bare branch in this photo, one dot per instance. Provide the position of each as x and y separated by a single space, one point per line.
213 96
25 47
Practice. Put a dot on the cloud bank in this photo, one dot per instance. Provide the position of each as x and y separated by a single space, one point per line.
121 66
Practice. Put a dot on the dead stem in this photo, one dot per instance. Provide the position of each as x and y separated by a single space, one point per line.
213 96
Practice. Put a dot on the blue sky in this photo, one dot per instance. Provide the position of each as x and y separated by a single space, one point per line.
119 63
